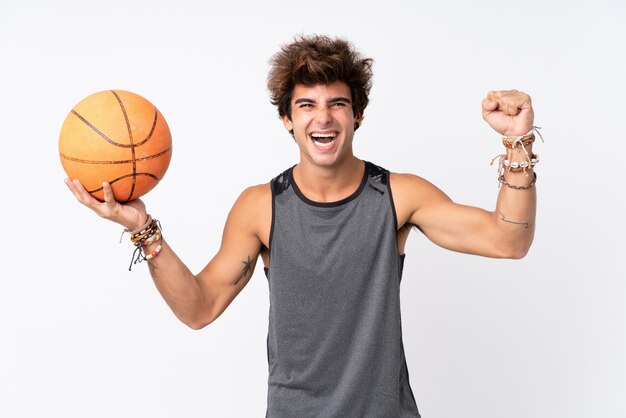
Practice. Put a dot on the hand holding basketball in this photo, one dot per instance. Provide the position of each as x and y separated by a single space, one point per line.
131 215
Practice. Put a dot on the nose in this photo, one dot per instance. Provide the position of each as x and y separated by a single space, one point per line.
323 116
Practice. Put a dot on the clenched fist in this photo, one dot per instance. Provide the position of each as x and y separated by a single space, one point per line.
509 112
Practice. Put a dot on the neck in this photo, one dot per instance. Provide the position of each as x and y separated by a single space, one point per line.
329 183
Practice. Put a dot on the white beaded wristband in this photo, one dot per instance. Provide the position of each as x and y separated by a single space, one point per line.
524 164
154 252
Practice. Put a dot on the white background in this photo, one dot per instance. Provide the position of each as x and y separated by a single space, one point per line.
541 337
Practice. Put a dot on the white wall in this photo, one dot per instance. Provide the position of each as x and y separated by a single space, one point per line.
541 337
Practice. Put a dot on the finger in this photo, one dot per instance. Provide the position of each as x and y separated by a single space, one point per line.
83 195
501 93
494 95
513 105
510 108
507 104
109 199
73 188
523 100
489 105
511 101
70 185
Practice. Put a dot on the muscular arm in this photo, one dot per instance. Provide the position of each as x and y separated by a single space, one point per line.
505 232
197 300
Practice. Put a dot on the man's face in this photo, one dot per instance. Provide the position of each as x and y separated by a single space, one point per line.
322 120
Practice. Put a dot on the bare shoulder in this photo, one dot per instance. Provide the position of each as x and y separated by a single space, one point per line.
410 186
402 181
411 193
253 211
257 194
254 200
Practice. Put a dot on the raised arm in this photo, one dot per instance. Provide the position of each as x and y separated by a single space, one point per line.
197 300
507 231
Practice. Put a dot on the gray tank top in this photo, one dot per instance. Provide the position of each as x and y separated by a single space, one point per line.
334 344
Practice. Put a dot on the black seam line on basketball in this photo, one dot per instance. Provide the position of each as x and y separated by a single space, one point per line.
78 160
123 177
96 130
117 144
132 146
151 130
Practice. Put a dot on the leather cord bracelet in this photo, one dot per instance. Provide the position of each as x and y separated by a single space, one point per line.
530 186
144 236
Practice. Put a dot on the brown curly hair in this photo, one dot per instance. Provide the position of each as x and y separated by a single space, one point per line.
314 59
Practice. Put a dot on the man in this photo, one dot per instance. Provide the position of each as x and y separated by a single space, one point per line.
331 233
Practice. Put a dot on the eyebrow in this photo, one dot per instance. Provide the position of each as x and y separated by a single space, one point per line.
333 100
340 99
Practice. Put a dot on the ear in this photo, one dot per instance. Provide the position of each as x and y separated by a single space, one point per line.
288 123
357 121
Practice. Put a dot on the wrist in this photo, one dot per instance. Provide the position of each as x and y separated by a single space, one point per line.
515 165
519 154
141 222
147 240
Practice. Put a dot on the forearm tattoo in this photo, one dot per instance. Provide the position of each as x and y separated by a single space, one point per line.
247 269
526 225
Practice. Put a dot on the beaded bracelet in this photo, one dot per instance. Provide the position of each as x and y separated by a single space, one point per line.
518 167
146 232
514 166
512 142
144 236
531 185
138 230
154 238
154 253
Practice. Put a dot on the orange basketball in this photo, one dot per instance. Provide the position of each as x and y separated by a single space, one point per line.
118 137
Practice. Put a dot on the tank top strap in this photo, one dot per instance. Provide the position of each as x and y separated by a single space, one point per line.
281 182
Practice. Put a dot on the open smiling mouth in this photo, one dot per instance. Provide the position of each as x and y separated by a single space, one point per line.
323 140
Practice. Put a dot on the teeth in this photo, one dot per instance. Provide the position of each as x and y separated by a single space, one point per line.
323 135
